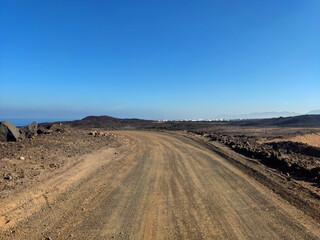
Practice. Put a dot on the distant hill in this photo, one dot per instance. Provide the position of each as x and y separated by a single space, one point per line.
314 112
310 120
109 123
262 115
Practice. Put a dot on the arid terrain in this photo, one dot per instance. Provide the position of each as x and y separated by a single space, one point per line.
159 120
161 181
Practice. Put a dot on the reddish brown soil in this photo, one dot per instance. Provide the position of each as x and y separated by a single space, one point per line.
312 139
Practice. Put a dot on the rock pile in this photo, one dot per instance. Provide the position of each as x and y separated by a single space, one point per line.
10 133
295 158
96 133
52 129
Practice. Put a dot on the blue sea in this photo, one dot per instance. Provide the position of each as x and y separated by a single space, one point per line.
19 122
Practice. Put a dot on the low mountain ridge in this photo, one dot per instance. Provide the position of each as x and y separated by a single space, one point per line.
309 120
109 123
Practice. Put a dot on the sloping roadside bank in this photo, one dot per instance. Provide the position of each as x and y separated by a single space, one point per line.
298 193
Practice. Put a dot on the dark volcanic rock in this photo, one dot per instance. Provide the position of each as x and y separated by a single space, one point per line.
296 147
295 158
30 130
8 132
42 130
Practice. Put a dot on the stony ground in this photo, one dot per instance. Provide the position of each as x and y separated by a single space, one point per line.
292 151
26 162
157 186
68 183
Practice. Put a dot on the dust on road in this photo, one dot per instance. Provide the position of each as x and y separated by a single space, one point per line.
165 187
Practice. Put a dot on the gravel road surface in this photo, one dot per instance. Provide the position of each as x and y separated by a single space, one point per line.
161 186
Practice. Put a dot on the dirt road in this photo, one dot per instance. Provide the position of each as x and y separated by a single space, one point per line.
162 187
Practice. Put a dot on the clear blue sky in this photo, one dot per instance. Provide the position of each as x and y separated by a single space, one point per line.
158 59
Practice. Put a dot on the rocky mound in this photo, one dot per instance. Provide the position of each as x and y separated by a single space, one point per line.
10 133
106 122
295 159
296 147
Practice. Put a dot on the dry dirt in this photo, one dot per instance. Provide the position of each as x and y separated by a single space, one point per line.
312 139
154 186
28 162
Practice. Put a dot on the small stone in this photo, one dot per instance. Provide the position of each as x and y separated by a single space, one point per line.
52 165
22 158
288 177
7 176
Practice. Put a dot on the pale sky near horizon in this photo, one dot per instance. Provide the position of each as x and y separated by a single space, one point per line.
158 59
